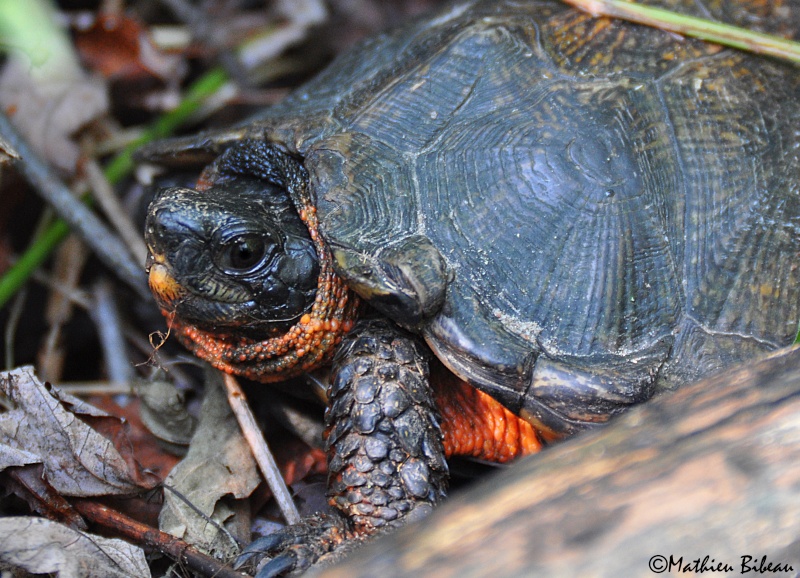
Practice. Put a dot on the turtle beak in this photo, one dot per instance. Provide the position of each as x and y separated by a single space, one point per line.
166 289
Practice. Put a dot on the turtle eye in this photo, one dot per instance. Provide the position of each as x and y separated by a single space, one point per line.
243 254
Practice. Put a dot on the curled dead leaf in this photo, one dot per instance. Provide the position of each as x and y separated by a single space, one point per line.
77 459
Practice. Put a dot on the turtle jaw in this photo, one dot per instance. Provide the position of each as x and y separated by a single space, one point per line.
196 309
171 295
177 300
165 288
175 297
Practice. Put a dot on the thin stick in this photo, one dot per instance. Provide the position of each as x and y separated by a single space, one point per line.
726 34
145 535
260 450
105 244
108 322
103 193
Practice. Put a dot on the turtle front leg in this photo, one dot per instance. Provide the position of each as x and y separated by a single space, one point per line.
386 462
386 458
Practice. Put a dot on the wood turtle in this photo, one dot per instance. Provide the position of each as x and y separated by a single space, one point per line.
573 213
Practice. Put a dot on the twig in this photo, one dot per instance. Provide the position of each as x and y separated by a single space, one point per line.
258 446
150 537
726 34
87 388
42 497
108 201
109 326
94 233
14 315
67 268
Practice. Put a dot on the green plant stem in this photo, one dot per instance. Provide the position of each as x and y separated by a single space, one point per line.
121 165
117 169
711 31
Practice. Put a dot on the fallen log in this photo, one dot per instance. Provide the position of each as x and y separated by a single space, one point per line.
703 480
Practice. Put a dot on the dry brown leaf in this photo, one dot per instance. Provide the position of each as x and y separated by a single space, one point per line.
120 46
40 546
49 112
16 457
78 461
219 465
163 411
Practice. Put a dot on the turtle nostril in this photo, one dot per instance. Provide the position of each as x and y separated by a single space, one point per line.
160 231
152 232
157 227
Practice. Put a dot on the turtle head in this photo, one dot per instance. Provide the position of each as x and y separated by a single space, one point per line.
235 256
239 268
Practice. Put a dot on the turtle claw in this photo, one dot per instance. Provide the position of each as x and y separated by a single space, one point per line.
296 548
280 565
259 549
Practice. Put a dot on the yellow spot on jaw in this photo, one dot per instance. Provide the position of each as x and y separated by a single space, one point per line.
163 285
157 258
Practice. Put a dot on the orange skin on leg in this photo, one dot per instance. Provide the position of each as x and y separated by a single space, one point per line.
476 425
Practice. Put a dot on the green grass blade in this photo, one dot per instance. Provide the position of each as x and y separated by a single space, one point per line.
709 30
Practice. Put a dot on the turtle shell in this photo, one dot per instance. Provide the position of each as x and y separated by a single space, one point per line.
572 211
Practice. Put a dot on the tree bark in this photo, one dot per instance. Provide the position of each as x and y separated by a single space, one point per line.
703 480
